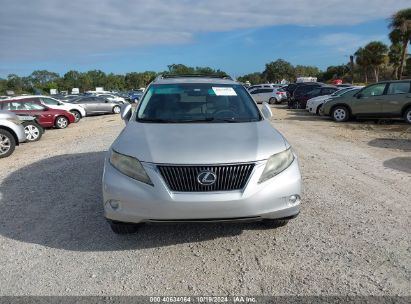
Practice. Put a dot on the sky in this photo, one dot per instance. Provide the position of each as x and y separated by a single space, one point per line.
237 36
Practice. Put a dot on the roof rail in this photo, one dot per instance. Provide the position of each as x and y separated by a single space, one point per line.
168 76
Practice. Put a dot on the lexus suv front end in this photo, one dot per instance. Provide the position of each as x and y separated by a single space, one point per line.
199 150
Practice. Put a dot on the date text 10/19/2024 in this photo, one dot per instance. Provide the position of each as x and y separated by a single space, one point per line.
199 299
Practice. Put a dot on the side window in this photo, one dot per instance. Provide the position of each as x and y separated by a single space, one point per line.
267 90
374 90
16 106
398 88
327 91
49 101
255 92
314 92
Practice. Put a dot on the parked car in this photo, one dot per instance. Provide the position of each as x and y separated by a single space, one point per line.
32 128
303 93
180 159
45 116
262 86
301 102
112 97
68 98
387 99
97 105
135 96
298 89
11 133
53 103
314 105
270 95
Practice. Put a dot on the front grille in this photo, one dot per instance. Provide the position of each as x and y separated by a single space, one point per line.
184 178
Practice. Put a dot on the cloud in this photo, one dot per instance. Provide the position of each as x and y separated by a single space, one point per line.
45 29
346 43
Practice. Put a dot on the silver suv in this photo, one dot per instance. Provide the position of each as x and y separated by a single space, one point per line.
11 133
198 149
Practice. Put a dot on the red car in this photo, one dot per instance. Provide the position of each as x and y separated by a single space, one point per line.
46 117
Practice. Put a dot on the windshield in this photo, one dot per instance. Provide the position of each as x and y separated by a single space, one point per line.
197 102
340 92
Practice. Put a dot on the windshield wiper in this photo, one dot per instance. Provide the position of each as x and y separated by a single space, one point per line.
155 120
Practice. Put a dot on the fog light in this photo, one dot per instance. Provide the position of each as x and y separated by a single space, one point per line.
114 204
294 200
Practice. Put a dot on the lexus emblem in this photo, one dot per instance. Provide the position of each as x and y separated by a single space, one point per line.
206 178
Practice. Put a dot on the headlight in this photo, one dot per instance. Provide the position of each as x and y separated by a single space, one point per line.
276 164
129 166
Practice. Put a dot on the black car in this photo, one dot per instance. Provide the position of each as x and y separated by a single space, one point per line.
301 102
300 90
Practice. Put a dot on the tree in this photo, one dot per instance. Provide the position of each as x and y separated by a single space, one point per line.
376 54
15 83
278 70
305 70
362 61
401 22
180 69
394 56
42 77
254 78
334 72
71 79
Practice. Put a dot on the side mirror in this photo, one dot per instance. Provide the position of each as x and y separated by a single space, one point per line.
126 112
266 110
359 96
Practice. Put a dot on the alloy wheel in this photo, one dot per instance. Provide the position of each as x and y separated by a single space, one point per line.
408 117
340 114
5 144
116 109
32 132
62 122
76 115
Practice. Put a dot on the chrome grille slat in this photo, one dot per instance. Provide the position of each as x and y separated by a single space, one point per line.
184 178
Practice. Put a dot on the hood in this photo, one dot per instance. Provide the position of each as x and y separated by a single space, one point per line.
200 143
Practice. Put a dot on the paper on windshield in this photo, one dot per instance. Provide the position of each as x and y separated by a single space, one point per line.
224 91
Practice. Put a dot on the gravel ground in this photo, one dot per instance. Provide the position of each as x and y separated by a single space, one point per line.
351 238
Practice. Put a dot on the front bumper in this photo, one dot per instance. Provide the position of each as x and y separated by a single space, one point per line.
137 202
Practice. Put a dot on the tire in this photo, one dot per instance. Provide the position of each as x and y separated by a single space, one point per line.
76 114
7 143
275 223
407 115
340 114
318 109
61 122
116 109
123 228
33 131
297 105
272 100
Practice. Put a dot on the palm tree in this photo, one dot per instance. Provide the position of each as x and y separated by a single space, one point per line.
394 56
401 22
362 61
375 54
